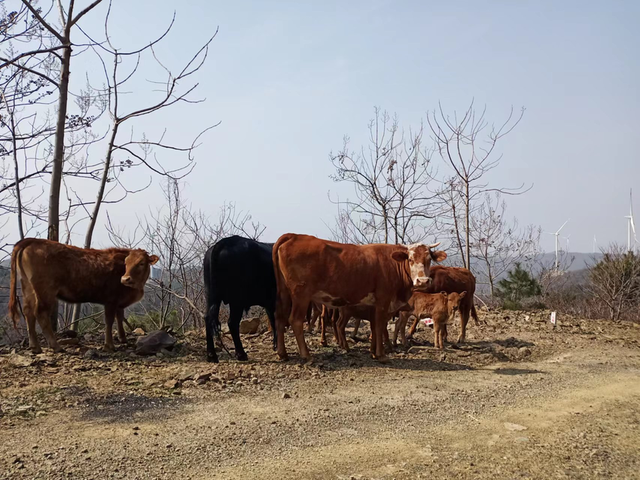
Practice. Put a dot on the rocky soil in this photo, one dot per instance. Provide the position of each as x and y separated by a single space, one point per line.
519 400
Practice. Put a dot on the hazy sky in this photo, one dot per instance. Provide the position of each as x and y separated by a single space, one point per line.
288 79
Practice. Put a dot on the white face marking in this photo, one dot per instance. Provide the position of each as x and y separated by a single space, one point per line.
370 299
417 267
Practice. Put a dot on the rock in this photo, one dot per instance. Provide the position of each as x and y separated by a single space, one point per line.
286 395
524 351
138 332
250 326
154 342
202 378
24 408
187 376
172 384
20 360
67 334
69 341
514 427
91 353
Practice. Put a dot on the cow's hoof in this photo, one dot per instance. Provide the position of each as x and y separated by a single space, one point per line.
283 358
109 348
212 359
383 359
324 344
36 350
242 357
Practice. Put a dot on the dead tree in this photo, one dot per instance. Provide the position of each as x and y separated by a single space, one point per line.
498 243
390 179
467 146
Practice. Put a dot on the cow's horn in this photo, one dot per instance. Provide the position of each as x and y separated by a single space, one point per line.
433 245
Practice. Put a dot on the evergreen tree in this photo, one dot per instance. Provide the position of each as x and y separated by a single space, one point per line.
518 285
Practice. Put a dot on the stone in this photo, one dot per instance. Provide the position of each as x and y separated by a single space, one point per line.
514 427
20 360
202 378
286 395
138 332
250 326
91 353
172 384
154 343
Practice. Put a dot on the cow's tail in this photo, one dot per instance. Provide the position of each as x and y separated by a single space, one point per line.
14 309
212 315
283 297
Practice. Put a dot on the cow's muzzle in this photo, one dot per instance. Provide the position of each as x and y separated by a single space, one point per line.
421 283
126 280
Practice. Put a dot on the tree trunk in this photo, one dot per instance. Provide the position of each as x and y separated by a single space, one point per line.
467 232
53 231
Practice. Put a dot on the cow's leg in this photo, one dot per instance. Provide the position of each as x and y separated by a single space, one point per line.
314 318
399 329
437 334
356 326
335 314
372 337
122 336
323 327
380 322
464 319
235 316
210 323
29 311
297 325
444 333
414 325
341 326
272 322
109 315
44 309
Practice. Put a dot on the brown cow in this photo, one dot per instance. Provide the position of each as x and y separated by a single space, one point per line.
441 307
453 280
337 275
49 270
359 313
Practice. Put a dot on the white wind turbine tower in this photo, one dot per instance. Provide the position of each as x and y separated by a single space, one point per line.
567 239
557 234
631 226
595 244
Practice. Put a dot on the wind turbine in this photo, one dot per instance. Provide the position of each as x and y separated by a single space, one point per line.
557 234
631 226
567 239
595 244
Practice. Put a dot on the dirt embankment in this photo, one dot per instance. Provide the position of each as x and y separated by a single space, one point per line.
520 400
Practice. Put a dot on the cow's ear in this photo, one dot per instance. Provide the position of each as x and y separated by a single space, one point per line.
463 294
400 255
153 259
438 255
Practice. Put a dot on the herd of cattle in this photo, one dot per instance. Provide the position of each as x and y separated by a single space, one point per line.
299 278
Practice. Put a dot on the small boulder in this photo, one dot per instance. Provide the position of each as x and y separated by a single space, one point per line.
154 342
250 326
172 384
138 332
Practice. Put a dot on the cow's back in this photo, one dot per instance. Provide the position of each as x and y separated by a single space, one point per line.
242 272
451 279
342 272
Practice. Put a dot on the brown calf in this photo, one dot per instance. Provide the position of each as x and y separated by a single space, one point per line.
49 270
441 307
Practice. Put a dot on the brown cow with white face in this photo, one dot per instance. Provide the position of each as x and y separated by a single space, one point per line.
49 270
337 275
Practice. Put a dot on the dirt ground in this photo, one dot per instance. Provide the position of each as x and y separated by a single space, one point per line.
519 400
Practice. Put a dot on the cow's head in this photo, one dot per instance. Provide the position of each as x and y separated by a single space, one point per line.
137 268
453 302
419 257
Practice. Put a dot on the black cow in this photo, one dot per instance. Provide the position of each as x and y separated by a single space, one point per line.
239 272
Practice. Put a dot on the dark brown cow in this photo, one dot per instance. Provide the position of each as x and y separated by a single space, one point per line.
49 270
441 307
453 280
359 313
337 275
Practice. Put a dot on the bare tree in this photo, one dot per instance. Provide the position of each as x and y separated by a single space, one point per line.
391 179
180 237
500 244
467 146
615 281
